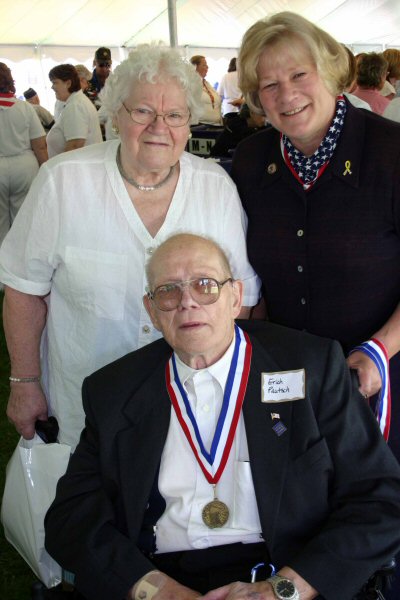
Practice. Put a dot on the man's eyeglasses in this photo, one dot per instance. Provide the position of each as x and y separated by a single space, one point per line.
145 116
104 64
204 290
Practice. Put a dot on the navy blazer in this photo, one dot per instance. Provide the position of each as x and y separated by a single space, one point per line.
328 489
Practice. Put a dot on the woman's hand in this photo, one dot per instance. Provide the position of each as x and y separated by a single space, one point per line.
26 404
367 372
24 318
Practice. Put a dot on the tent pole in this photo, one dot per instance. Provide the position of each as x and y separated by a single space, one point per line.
173 35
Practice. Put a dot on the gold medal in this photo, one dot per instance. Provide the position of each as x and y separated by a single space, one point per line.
215 514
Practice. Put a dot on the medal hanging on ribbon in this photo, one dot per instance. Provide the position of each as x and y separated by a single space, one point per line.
215 513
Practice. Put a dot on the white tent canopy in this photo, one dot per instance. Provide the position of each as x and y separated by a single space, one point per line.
37 34
213 23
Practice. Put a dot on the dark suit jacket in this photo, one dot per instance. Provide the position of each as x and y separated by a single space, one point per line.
328 489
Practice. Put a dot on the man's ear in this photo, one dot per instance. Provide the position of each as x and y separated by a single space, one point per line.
151 311
237 297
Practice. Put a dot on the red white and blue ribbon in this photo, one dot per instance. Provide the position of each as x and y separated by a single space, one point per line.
377 352
213 463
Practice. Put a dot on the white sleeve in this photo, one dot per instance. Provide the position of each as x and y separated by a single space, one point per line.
76 122
234 244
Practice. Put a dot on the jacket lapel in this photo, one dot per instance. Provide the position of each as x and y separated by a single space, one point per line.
147 414
268 451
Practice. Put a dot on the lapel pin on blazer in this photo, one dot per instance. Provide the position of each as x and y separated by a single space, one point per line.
347 165
275 416
272 168
279 428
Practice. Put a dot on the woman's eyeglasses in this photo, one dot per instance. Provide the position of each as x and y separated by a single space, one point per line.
145 116
204 290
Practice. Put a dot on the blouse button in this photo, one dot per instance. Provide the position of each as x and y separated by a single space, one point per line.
300 233
300 268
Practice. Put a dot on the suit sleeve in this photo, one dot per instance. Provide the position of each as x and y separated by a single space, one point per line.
83 530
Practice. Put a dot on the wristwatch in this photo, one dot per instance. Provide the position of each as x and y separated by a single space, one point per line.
284 589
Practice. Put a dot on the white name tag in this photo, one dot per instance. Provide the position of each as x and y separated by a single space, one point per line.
283 386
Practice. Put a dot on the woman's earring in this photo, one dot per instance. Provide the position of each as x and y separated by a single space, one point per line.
115 129
190 136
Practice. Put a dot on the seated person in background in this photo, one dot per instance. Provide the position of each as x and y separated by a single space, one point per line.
45 117
371 76
210 99
237 127
219 447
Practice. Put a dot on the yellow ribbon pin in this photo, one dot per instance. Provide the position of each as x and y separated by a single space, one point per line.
347 164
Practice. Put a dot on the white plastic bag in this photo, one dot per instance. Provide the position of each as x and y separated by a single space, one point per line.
31 479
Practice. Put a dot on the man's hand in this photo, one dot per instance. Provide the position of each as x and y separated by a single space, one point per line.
262 590
368 374
168 588
172 590
26 404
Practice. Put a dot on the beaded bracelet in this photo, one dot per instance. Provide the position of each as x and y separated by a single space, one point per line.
24 379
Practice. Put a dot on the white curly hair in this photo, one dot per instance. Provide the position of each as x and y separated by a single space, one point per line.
152 63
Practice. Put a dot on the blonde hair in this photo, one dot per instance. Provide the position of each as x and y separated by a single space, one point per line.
83 72
292 31
392 55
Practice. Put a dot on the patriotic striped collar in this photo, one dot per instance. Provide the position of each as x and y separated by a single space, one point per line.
307 169
7 99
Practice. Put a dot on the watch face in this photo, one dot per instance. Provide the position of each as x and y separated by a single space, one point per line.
285 589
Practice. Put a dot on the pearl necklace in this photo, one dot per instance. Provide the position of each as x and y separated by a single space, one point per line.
138 186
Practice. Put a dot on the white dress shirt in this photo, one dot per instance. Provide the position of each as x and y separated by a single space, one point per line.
182 482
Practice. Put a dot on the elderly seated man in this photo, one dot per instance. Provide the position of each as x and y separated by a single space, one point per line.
219 447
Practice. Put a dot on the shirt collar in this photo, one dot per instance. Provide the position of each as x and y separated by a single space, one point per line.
219 370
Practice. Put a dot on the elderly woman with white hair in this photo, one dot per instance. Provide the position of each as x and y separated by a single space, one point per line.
74 262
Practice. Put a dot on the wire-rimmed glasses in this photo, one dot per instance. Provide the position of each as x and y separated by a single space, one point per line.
146 116
204 290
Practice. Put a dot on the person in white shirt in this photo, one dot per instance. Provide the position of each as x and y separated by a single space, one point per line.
210 99
77 124
22 150
222 446
229 90
45 117
73 263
